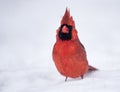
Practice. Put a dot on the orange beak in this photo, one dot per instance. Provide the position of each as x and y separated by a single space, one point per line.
65 29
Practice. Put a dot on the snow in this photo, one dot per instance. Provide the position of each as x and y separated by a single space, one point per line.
27 36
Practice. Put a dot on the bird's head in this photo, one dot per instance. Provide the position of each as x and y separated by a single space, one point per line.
67 30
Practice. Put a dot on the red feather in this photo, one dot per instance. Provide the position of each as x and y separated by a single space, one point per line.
69 54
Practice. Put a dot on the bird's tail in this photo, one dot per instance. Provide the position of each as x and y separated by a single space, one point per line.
91 68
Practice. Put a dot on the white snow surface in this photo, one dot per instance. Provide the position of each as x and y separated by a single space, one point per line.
27 36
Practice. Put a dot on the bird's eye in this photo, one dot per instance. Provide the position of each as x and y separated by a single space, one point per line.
70 27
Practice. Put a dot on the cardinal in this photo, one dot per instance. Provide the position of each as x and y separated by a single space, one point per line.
69 54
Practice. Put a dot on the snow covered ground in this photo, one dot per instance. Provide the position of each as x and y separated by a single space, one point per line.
27 36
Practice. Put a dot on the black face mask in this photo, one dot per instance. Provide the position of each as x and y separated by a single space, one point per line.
65 36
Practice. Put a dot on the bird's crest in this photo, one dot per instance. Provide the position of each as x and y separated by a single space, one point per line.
67 19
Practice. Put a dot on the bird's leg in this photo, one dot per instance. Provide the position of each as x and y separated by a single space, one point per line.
66 78
81 76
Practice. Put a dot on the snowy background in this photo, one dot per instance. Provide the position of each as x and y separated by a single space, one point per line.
27 36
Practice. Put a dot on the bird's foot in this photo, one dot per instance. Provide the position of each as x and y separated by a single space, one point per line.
82 76
66 78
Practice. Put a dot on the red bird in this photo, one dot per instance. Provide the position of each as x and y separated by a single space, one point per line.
69 54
